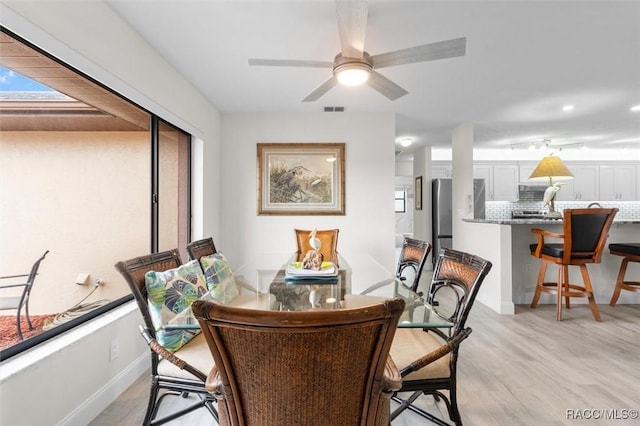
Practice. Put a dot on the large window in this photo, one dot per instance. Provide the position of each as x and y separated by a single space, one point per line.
87 175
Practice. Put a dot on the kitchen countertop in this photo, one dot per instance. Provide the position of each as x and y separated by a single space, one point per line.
538 221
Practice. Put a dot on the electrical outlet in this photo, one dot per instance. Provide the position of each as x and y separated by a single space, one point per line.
114 350
82 278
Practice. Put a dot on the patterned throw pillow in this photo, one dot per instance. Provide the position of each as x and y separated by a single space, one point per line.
219 278
170 295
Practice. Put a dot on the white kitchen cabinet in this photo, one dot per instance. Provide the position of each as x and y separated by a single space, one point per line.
525 170
505 182
618 183
584 186
501 181
484 172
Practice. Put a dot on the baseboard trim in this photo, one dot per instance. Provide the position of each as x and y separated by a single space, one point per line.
99 401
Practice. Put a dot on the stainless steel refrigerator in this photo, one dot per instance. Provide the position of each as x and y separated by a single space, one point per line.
442 214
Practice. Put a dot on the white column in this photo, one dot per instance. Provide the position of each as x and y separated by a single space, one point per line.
462 162
422 218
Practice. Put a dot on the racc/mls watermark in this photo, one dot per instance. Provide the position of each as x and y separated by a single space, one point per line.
602 414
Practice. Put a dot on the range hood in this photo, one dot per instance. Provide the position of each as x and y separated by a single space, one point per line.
531 192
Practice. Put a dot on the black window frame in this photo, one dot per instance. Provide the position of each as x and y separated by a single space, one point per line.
46 335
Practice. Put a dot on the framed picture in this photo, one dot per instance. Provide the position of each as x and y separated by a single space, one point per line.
301 179
418 193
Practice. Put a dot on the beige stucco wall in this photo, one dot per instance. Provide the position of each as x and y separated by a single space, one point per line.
82 195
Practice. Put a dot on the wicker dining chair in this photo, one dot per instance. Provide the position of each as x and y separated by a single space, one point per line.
301 367
328 239
199 248
206 247
182 372
413 256
428 358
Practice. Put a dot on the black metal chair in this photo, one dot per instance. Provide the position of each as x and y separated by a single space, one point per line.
18 302
182 372
427 359
584 236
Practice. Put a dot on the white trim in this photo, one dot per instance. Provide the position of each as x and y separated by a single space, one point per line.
99 401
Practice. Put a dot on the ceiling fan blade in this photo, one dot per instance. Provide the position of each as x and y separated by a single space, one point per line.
426 52
324 88
385 86
290 63
352 25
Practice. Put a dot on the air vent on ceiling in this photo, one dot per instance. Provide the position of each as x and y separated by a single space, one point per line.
333 109
398 153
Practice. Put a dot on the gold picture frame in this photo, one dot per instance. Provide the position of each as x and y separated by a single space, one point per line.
418 193
300 178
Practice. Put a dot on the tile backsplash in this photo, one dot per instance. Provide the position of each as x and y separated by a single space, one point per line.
629 210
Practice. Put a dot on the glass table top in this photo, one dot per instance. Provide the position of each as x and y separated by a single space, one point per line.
359 281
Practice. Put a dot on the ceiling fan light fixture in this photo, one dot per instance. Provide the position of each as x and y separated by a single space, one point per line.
352 71
353 74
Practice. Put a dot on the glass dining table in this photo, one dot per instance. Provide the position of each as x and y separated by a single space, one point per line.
266 284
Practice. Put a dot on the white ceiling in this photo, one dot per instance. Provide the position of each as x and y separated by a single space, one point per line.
524 60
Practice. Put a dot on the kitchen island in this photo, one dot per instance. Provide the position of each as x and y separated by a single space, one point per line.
505 242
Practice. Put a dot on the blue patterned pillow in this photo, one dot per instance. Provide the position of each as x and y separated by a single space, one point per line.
170 295
220 280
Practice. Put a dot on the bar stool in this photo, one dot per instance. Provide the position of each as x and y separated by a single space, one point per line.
630 253
584 238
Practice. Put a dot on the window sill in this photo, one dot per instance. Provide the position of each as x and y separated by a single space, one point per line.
29 358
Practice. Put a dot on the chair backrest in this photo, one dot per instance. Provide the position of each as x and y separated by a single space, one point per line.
31 279
457 277
328 238
305 368
413 255
586 231
134 271
199 248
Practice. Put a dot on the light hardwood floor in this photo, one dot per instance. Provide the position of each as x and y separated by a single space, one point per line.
526 369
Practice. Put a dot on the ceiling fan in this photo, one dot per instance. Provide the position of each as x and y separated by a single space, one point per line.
353 66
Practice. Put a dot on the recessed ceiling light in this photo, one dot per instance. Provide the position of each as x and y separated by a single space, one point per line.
568 108
406 142
635 108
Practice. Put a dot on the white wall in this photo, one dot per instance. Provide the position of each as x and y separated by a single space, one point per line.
404 221
405 181
404 168
368 225
93 39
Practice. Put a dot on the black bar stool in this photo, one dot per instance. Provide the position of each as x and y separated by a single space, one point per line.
630 253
